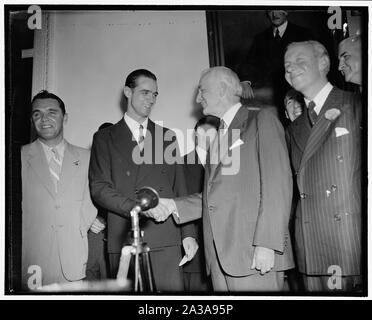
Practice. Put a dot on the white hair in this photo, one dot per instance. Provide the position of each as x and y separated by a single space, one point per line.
227 76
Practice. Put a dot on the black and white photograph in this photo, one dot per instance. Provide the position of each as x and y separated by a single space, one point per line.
186 150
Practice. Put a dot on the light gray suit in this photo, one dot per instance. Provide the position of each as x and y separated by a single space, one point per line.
55 224
251 207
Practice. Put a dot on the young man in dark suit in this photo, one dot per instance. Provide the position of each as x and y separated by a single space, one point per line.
205 131
117 172
326 156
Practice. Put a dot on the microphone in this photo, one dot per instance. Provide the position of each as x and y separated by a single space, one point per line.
146 198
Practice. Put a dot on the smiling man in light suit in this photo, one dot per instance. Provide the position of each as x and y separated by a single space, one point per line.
56 207
326 155
246 199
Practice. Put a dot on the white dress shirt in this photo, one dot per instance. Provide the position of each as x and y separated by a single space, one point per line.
281 29
49 153
320 98
134 126
229 115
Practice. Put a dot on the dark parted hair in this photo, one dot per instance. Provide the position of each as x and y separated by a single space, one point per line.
295 95
45 94
131 80
211 120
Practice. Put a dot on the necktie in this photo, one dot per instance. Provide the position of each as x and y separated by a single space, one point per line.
311 113
141 137
215 147
55 166
277 35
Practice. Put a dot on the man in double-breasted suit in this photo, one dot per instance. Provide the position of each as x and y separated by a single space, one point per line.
56 207
130 155
246 199
325 150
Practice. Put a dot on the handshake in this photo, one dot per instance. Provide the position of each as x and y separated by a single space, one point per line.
162 211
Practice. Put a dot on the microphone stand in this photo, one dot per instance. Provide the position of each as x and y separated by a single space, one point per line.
143 279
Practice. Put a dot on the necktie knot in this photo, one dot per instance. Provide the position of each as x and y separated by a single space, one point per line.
277 35
222 125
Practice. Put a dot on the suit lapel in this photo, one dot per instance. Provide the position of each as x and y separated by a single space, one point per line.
123 140
321 129
38 162
70 166
301 130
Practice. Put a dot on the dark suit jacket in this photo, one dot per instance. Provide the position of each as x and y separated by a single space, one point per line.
194 175
246 204
264 65
328 218
115 177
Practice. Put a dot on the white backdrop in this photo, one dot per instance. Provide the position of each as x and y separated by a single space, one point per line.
87 56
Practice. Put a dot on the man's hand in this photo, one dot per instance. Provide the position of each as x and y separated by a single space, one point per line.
163 210
97 226
263 259
247 92
190 246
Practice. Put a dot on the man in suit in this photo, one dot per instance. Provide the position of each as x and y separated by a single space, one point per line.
350 59
117 172
247 192
56 205
325 149
264 64
97 265
205 131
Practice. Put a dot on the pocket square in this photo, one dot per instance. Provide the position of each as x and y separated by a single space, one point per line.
237 143
341 131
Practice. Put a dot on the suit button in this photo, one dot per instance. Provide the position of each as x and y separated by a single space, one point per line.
334 187
303 195
210 184
210 208
161 189
337 217
128 173
340 158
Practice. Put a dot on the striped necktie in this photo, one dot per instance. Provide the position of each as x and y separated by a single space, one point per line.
141 138
55 166
311 113
277 35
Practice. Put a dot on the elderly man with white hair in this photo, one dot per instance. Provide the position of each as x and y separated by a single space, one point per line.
246 199
326 155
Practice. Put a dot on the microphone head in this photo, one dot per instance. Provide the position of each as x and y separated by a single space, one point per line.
147 198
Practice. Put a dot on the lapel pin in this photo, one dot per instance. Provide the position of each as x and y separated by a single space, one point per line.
76 163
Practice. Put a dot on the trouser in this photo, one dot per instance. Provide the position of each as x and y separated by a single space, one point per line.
319 283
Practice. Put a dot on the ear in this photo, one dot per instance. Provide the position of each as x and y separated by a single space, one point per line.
223 89
324 64
127 92
65 118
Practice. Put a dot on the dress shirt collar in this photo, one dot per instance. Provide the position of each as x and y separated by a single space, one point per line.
202 155
320 98
229 115
281 29
134 126
48 150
